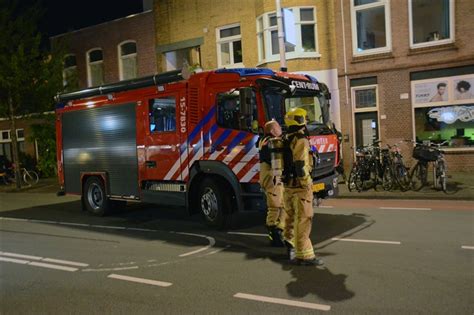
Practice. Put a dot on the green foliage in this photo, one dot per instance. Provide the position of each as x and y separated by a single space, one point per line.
45 135
29 76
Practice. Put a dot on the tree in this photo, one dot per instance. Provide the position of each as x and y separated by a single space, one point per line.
29 76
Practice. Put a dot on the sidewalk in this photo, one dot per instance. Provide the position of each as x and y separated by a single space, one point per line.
460 187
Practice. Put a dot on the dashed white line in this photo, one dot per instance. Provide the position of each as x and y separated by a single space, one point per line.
20 256
211 240
364 241
140 280
402 208
329 207
260 298
46 259
467 247
13 260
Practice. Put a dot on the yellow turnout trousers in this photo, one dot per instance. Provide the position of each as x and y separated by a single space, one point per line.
274 194
299 219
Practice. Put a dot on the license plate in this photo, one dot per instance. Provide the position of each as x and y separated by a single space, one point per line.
318 187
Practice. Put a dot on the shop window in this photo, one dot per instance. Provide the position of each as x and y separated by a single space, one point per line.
370 26
229 46
95 67
365 108
128 60
431 22
162 114
229 114
303 30
444 110
70 79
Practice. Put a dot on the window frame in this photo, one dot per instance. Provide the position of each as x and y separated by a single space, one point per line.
265 53
71 68
364 110
230 40
88 63
388 30
437 42
129 56
158 132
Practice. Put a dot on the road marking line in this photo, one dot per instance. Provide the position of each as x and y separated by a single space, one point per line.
17 261
109 227
140 280
260 298
73 224
329 207
141 230
20 256
37 264
59 261
64 268
402 208
364 241
248 234
13 219
467 247
65 262
211 240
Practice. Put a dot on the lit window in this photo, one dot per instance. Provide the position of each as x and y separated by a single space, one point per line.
229 46
128 60
370 26
301 28
364 104
95 67
176 59
431 22
70 80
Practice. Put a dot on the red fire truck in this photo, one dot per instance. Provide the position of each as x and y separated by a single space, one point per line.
189 142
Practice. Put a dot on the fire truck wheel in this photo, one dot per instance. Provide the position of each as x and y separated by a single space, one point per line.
214 200
94 196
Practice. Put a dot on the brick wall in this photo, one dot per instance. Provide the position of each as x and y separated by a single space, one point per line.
107 36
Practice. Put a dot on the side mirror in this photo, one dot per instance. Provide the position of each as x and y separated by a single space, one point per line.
245 101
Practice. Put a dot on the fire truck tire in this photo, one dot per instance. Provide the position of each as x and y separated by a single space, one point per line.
215 202
94 197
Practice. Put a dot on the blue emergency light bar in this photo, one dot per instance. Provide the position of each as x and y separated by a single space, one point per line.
245 72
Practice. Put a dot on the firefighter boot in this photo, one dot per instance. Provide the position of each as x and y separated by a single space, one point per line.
290 251
308 262
275 235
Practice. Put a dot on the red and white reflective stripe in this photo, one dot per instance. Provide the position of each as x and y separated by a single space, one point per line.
331 147
321 148
176 166
251 173
235 151
244 161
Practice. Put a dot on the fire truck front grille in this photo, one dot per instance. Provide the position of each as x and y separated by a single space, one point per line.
158 186
326 164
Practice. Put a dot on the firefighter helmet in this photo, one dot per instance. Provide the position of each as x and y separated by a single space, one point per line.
295 117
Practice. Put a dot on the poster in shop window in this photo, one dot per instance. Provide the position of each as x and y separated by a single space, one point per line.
464 89
431 92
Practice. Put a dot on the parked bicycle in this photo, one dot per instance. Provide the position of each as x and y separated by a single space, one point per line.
398 170
29 177
427 153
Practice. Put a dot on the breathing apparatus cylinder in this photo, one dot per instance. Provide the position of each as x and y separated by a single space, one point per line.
276 153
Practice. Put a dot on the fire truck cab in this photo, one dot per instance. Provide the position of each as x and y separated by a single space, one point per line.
188 142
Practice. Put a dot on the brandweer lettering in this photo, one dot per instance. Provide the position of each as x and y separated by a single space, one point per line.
305 85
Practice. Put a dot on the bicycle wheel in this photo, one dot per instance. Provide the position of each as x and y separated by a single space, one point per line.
351 183
418 176
402 177
441 176
30 177
387 179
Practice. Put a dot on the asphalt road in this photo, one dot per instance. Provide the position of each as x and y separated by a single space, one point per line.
382 257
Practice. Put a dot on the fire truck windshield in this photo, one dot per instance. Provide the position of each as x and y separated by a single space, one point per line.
277 105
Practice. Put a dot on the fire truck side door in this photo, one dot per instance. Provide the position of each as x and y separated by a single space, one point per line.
163 138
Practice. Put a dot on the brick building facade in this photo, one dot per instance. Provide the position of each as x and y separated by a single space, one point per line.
242 33
400 64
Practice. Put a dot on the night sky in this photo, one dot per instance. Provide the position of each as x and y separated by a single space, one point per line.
62 16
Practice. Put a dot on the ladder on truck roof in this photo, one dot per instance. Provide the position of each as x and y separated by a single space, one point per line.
156 79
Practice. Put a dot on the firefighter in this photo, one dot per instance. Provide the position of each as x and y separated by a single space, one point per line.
298 199
271 164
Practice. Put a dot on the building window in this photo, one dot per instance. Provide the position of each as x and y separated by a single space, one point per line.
6 142
370 26
176 59
95 67
431 22
443 110
229 46
365 108
128 60
302 31
70 79
162 114
229 115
